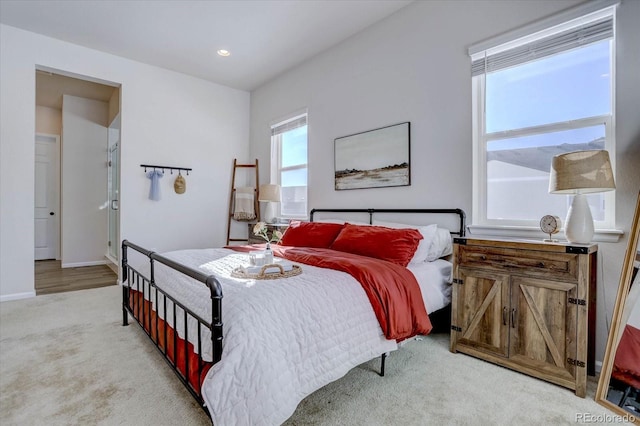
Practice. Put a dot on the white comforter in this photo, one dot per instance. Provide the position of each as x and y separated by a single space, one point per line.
283 339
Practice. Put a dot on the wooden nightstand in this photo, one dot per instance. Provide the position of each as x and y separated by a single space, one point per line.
254 239
528 306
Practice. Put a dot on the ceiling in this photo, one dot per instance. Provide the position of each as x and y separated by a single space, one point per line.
265 37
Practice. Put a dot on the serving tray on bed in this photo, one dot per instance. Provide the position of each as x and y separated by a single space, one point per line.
271 271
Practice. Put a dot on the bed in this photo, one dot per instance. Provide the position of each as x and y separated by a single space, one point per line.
284 338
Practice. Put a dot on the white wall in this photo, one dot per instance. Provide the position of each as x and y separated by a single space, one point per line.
414 66
167 118
84 181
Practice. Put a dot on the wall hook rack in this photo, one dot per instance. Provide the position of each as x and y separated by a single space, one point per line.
171 168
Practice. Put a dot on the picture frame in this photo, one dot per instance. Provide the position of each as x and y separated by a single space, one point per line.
374 159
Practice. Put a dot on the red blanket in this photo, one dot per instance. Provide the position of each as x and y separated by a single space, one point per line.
625 366
392 289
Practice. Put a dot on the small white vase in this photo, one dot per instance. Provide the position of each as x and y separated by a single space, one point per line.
268 254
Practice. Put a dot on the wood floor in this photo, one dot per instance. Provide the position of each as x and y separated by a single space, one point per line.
52 278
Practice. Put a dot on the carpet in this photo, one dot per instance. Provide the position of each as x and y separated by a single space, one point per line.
65 359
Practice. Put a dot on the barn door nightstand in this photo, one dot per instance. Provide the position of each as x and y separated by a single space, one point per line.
528 306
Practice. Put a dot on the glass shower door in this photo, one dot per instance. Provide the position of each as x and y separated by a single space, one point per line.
114 200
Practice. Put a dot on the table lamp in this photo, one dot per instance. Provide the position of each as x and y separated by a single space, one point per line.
269 193
579 173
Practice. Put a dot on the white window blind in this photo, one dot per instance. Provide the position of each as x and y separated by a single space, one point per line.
583 35
288 125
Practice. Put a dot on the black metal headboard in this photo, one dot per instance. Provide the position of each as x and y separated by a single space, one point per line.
370 212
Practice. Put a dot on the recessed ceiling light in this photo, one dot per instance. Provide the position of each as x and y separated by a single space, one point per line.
223 52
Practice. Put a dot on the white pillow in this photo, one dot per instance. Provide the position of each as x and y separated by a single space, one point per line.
442 245
423 252
436 242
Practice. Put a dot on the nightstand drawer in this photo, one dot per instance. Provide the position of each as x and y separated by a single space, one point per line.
536 263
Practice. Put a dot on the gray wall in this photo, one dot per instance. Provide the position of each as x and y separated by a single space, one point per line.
413 66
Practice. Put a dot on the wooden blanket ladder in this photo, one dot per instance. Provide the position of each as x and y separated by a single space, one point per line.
232 198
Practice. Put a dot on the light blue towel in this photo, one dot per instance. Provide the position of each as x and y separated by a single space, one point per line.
154 191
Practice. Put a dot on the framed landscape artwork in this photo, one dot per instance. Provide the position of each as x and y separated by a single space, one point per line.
373 159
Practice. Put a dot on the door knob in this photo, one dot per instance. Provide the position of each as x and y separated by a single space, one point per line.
51 213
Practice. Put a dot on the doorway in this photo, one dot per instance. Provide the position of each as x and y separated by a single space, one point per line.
77 182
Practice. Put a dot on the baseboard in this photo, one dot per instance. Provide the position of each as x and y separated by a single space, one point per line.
81 264
17 296
113 267
112 263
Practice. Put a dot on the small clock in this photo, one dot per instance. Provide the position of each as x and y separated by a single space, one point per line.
550 224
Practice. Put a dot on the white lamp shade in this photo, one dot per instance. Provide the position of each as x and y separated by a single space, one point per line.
269 192
581 171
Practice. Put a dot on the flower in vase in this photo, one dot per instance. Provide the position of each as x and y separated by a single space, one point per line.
260 229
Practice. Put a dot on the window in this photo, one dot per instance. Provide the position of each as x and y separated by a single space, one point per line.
289 165
535 97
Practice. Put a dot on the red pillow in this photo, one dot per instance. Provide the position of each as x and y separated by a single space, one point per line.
393 245
310 234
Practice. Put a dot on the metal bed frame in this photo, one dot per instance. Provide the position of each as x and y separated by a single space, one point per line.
134 281
462 216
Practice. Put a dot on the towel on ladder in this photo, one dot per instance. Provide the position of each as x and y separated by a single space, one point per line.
244 209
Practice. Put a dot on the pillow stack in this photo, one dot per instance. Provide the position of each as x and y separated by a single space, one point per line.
405 245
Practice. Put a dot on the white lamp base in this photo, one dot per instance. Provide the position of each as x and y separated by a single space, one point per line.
270 212
578 227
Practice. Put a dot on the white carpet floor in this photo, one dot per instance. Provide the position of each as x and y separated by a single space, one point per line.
65 359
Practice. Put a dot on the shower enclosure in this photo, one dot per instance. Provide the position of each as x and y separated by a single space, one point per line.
113 191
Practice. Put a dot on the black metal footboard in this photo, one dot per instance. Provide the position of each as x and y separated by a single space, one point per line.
138 300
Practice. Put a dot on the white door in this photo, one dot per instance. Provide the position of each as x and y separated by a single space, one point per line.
47 184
